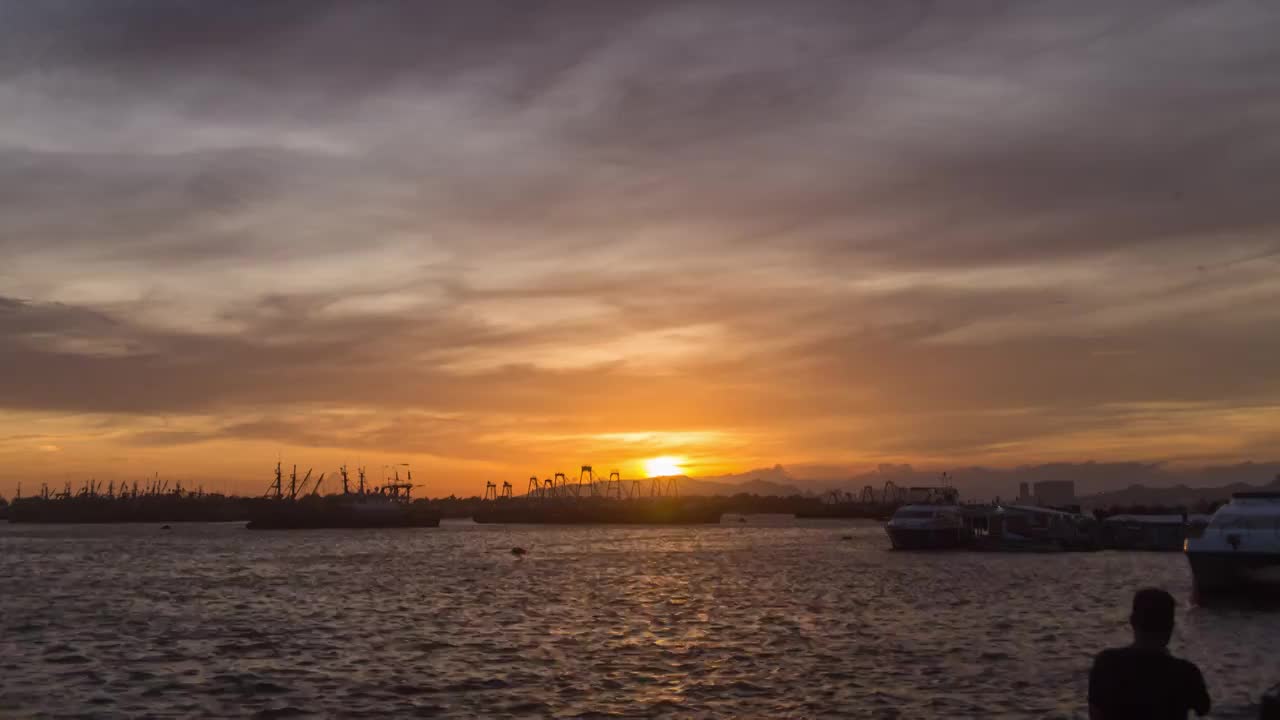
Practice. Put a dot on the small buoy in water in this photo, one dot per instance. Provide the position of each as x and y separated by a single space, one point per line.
742 519
519 551
165 527
846 537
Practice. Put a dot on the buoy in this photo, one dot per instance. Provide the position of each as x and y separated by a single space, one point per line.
165 527
846 537
519 551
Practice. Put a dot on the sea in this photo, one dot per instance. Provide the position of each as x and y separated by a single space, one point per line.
761 618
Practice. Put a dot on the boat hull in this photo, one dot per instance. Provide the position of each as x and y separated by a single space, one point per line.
289 515
140 509
928 538
322 523
669 511
1217 574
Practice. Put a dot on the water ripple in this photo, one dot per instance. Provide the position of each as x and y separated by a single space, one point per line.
732 621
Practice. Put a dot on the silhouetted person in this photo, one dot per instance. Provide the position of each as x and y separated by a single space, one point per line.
1143 680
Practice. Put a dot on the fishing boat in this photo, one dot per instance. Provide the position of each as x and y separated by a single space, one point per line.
153 502
1239 552
388 506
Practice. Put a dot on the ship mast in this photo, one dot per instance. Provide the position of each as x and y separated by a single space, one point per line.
277 487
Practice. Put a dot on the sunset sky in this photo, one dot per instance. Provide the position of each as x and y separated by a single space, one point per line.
498 239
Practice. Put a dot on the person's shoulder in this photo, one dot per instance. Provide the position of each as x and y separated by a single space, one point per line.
1110 656
1115 653
1185 666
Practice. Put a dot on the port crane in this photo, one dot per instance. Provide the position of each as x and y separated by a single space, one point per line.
613 486
660 487
590 485
892 493
836 497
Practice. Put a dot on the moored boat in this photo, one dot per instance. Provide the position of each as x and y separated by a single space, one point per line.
934 521
602 511
338 511
1151 532
1031 528
388 506
1239 552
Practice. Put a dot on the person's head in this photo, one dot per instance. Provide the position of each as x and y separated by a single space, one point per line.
1152 617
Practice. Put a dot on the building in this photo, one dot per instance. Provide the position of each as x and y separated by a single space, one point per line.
1056 493
1049 493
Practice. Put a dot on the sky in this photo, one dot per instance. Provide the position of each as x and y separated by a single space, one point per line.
492 240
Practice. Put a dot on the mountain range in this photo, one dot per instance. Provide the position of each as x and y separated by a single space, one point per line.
1097 484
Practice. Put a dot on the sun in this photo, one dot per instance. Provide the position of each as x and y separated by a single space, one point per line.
663 466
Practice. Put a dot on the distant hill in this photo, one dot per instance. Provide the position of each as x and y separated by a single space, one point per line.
766 481
1091 478
1176 495
1097 484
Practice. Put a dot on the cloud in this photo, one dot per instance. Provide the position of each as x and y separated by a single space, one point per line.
825 232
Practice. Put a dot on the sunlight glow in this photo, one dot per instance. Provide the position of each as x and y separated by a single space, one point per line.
663 466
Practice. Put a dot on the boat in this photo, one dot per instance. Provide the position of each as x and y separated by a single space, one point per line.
1239 552
601 511
1166 533
156 502
371 510
931 520
1032 528
388 506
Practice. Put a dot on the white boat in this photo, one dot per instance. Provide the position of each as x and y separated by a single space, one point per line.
935 522
1239 551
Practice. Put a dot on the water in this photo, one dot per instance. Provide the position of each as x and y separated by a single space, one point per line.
730 621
